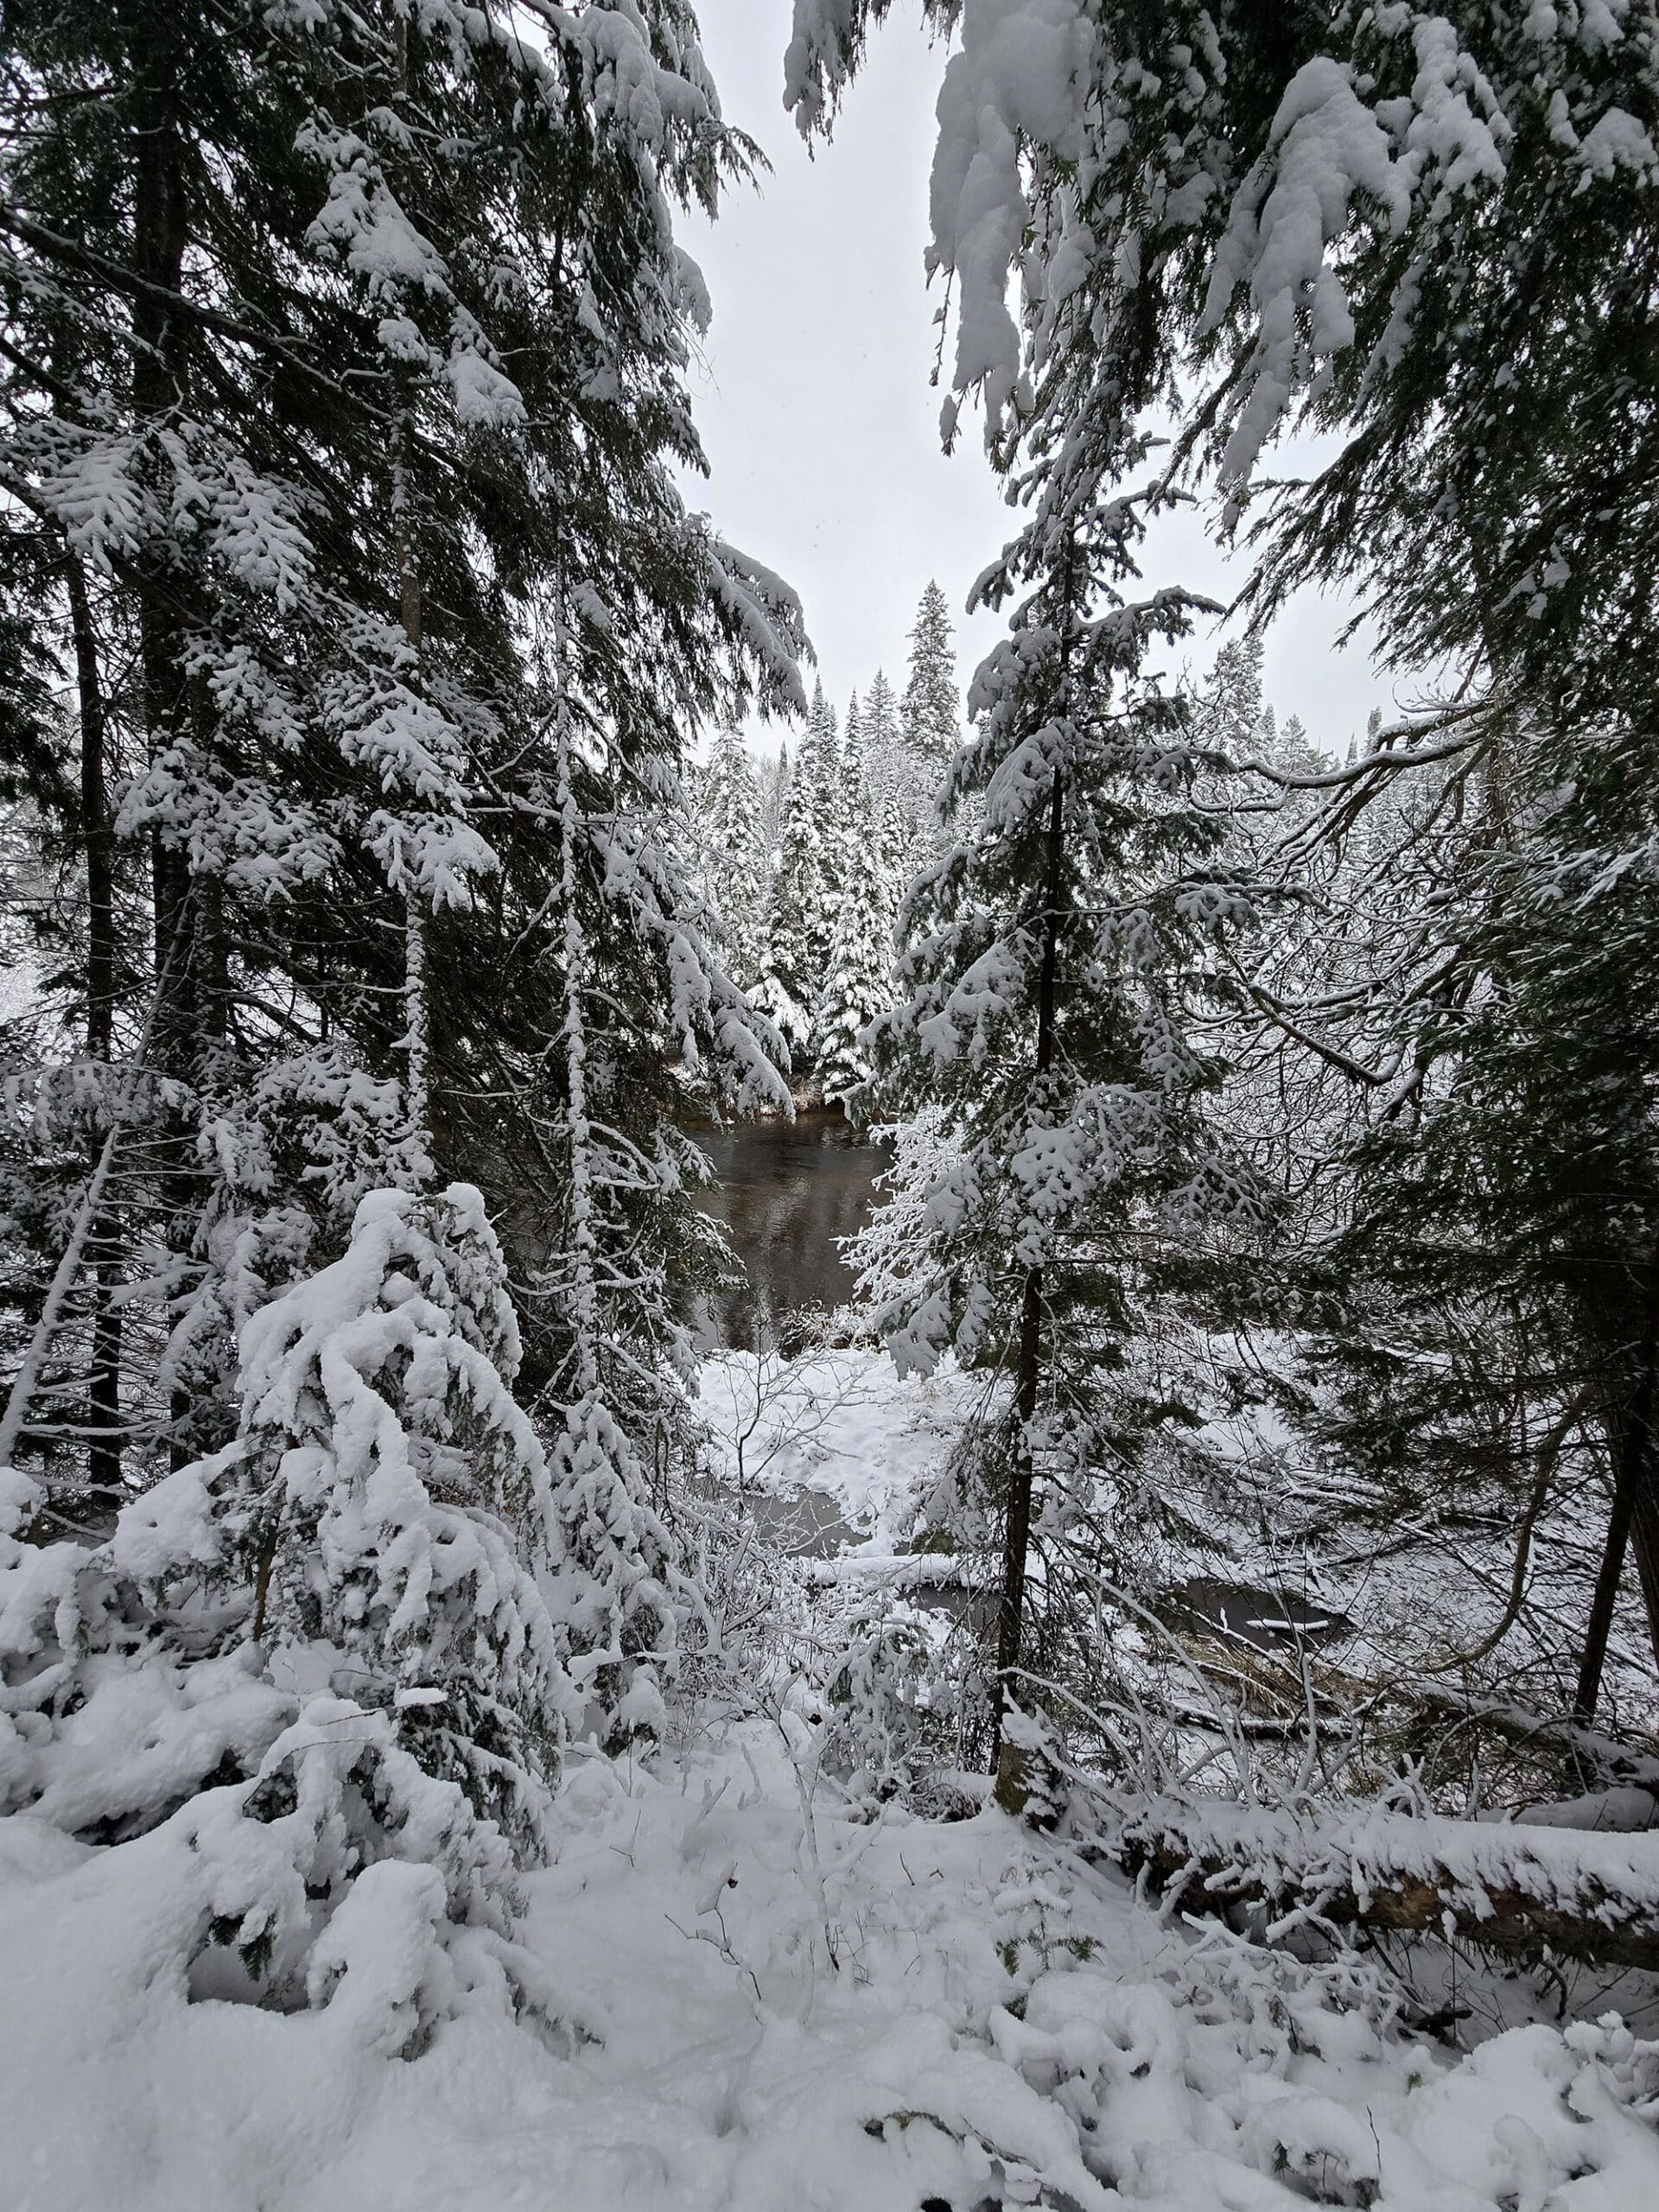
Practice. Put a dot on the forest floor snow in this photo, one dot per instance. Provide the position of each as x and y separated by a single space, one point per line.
771 2004
780 2008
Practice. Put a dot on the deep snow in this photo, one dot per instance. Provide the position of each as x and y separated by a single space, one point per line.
765 2002
771 2006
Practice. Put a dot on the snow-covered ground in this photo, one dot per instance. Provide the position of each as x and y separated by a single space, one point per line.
764 2002
772 2007
841 1425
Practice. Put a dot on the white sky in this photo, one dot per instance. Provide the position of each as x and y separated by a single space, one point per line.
815 406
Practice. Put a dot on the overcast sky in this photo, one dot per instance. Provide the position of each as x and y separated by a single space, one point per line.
813 401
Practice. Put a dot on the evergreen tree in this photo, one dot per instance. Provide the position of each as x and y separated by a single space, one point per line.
855 770
1231 715
1057 951
336 1631
931 711
391 1503
787 990
774 780
805 888
860 982
734 870
857 985
343 390
897 798
821 776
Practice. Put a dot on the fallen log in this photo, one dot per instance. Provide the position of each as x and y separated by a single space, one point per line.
1522 1892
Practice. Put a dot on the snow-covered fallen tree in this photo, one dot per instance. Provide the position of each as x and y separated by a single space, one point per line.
1524 1889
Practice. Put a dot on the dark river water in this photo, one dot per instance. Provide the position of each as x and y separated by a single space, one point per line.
788 1191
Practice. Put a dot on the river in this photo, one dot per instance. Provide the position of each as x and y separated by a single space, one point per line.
788 1191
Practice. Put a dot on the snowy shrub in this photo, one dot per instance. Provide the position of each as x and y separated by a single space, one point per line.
345 1875
618 1594
340 1876
390 1506
322 1657
876 1737
115 1707
754 1621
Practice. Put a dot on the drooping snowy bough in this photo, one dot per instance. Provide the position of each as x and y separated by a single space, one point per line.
314 1675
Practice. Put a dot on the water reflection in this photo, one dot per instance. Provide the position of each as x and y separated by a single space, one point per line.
789 1190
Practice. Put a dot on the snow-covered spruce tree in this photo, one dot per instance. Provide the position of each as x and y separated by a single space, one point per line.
895 791
390 1506
282 681
801 919
929 721
821 775
341 564
931 710
734 860
1230 712
1055 957
773 778
311 1680
858 981
854 771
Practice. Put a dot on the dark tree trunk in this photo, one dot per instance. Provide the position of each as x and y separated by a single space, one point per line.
98 836
160 380
160 235
98 831
1634 1511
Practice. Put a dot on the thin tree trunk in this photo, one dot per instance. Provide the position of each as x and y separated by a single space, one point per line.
160 238
97 836
160 388
1635 1507
417 993
98 831
1006 1763
1644 1515
14 1420
1599 1625
584 1295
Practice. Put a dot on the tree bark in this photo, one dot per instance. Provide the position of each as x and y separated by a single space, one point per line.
1520 1891
98 831
98 838
1635 1510
159 381
160 235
